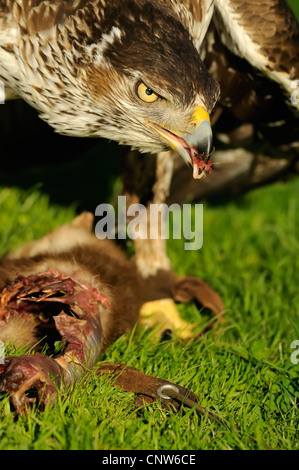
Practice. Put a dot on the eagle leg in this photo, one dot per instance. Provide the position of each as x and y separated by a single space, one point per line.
163 287
146 181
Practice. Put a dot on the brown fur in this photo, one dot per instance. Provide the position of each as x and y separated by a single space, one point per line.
18 331
97 263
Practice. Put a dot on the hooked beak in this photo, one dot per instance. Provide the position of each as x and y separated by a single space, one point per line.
195 145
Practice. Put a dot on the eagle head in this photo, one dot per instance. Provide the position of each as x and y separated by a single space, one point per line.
137 78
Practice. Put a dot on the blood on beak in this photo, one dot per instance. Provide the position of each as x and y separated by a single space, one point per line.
201 138
194 145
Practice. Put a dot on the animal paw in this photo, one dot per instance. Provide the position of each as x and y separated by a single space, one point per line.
30 378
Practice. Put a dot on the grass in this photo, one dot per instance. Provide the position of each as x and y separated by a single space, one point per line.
242 370
294 5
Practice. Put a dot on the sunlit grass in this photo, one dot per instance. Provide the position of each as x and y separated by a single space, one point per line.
240 370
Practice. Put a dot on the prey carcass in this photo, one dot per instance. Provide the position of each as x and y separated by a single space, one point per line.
67 296
73 297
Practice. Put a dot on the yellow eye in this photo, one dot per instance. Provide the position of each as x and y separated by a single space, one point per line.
146 94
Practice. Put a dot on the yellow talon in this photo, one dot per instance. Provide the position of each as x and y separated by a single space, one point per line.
164 314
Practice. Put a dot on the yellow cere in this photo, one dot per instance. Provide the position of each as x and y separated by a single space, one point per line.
199 115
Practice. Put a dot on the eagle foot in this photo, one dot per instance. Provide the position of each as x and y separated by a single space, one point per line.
160 309
164 315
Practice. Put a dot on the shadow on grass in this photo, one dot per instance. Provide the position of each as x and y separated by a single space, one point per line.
68 169
71 170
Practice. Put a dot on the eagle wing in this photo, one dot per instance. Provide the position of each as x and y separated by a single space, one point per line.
34 16
265 34
21 19
252 50
195 15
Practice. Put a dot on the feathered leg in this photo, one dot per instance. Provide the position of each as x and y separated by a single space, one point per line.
151 253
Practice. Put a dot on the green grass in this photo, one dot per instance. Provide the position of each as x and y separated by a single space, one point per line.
294 5
241 370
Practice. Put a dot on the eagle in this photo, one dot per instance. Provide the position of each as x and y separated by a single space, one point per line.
123 70
156 75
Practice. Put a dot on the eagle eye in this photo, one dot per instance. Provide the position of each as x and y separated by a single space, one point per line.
145 93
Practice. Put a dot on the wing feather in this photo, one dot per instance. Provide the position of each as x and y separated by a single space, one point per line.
265 33
34 16
195 15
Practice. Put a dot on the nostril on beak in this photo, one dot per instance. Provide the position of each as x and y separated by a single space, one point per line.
191 126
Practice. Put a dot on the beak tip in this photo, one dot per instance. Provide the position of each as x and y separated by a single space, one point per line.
204 142
202 137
